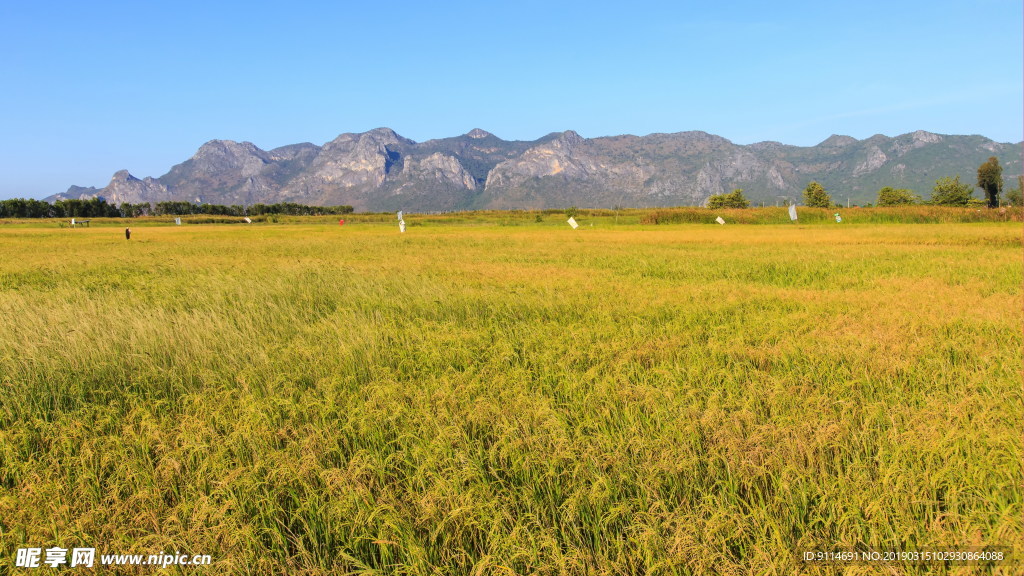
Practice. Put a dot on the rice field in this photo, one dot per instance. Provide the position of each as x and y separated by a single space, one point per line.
512 397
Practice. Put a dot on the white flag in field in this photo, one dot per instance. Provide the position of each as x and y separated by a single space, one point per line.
399 215
572 222
401 226
177 221
792 211
719 220
248 220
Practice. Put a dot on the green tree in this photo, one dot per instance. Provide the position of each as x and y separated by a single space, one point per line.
990 179
129 210
951 192
176 208
1016 195
815 196
734 199
890 196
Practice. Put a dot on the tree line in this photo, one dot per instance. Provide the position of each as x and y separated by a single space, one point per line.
100 208
947 192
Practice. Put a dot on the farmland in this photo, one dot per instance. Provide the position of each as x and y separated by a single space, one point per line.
509 396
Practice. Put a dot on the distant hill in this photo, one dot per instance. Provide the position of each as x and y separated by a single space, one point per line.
380 170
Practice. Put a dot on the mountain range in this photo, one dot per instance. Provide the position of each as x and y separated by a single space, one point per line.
380 170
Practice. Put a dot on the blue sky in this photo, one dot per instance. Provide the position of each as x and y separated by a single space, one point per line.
88 90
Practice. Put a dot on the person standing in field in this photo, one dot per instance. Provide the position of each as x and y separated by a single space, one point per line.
127 233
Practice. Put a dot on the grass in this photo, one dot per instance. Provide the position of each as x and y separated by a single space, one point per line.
501 396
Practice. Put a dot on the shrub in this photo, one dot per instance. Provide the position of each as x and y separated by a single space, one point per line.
889 196
951 192
815 196
734 199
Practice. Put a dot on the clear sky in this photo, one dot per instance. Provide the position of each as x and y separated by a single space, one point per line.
89 88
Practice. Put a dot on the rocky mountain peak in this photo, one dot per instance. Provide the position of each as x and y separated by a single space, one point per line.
374 140
478 133
292 151
921 136
219 156
838 141
385 136
907 142
78 193
124 187
227 148
570 138
767 145
122 176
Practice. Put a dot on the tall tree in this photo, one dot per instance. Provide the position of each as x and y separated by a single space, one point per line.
990 179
